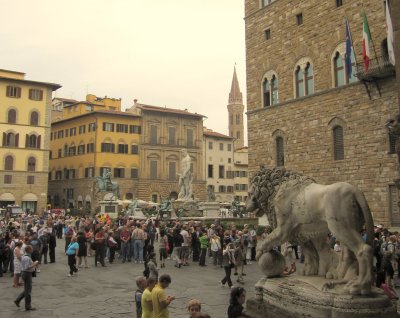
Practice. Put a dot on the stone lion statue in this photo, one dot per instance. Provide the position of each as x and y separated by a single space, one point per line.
302 212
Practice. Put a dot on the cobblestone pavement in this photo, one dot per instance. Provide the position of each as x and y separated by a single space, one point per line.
109 292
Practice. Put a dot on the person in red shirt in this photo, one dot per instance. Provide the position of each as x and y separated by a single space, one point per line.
125 237
100 247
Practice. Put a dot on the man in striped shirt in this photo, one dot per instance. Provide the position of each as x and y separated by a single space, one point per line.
27 269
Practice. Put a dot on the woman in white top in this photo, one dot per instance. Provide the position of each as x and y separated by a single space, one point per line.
216 250
17 263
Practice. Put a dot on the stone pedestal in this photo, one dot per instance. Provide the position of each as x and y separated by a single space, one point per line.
210 209
190 207
301 296
107 207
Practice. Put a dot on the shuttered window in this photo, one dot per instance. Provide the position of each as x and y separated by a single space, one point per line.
119 172
122 148
35 94
134 149
171 136
30 180
9 163
392 143
134 173
12 116
31 164
153 134
172 170
34 118
338 147
7 179
153 169
189 136
280 152
13 91
107 147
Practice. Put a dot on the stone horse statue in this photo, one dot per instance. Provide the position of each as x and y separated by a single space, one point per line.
104 184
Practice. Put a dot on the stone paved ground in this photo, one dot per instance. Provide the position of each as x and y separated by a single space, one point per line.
109 292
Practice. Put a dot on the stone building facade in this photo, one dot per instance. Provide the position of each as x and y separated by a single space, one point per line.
305 113
25 108
165 132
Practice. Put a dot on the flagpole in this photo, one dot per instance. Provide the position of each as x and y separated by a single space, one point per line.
352 43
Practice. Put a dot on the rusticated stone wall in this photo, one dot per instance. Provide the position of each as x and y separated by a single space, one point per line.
306 123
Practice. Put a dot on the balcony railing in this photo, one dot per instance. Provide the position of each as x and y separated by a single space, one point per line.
379 67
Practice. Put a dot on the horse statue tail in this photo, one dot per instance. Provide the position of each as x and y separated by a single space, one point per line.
369 222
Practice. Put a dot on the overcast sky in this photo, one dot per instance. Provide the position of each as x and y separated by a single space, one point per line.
174 53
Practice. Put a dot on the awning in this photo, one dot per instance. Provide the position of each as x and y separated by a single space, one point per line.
7 197
88 198
80 199
29 197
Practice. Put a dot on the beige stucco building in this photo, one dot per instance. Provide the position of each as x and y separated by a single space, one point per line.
218 158
306 112
24 151
165 131
241 177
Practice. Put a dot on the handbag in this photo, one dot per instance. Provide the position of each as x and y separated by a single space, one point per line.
167 247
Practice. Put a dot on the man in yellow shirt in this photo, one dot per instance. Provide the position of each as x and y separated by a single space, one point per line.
160 300
147 302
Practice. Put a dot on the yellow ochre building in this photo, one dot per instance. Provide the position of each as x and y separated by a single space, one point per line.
25 107
92 136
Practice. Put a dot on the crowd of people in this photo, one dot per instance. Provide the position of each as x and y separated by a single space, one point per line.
23 247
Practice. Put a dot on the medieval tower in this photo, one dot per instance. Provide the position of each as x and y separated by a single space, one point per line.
235 110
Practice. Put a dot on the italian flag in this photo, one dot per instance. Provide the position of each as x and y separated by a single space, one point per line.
367 40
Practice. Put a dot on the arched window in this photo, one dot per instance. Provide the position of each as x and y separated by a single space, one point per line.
31 164
10 140
34 118
338 145
12 116
309 79
274 89
9 163
32 141
280 153
338 65
300 92
266 93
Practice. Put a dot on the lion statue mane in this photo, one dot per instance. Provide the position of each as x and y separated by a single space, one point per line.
302 212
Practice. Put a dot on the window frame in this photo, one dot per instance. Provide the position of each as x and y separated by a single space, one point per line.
338 145
12 116
13 91
36 94
279 151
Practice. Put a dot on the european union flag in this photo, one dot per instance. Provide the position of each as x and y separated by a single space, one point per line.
349 68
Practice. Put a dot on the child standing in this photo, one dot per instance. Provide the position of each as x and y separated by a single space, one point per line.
141 284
